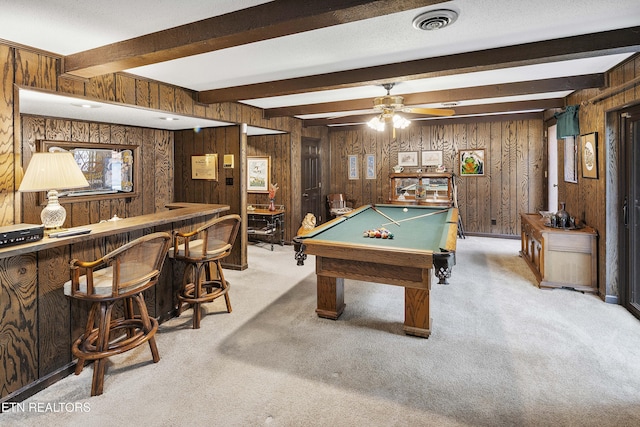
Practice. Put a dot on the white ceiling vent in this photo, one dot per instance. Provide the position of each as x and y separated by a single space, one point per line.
435 19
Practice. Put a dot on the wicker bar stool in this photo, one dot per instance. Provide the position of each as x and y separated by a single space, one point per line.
121 275
202 250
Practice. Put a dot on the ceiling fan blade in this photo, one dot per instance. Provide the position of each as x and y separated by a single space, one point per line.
430 111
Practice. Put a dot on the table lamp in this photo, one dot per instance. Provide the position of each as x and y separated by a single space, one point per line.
52 172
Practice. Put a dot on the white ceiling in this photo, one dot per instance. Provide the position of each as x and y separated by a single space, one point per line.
65 27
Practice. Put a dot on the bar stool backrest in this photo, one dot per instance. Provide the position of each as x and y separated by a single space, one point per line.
124 271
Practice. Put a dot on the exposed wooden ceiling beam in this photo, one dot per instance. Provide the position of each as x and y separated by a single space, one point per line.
270 20
540 104
586 81
588 45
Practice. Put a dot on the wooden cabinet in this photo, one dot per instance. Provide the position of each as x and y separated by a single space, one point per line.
429 189
559 257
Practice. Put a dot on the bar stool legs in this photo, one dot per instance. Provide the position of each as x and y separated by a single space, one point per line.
202 282
94 343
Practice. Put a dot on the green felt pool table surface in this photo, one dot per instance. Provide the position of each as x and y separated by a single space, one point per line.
418 227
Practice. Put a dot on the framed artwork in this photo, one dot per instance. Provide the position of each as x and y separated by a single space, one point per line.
431 158
370 172
353 166
570 160
589 149
258 173
204 166
408 158
472 162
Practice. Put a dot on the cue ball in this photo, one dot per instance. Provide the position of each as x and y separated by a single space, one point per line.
405 210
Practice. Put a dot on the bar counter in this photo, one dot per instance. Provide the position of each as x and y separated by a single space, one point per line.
38 323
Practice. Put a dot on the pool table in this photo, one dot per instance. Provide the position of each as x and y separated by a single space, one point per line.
424 238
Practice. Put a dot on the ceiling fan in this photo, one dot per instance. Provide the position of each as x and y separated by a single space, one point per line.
387 106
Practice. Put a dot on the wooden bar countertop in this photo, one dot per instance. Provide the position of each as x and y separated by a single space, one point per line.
176 212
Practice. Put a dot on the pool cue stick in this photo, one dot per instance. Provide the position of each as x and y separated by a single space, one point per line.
386 216
419 216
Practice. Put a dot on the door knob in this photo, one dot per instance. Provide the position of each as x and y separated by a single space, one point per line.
305 195
555 185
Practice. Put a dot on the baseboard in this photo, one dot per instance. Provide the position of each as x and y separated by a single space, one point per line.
40 384
611 299
497 236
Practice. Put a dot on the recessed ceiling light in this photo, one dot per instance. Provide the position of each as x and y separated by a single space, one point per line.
435 19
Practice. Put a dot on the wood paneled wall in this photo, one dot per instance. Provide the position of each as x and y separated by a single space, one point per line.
220 141
514 167
156 160
596 200
278 149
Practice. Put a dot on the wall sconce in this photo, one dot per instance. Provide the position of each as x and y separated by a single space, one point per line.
52 172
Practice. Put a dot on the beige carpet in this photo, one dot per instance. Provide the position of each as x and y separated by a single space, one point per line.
502 352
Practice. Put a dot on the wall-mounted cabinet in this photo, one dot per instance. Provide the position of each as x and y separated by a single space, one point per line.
429 189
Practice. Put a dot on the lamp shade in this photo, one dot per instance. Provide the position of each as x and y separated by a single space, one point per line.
52 171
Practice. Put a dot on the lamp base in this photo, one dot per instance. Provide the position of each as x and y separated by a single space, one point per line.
53 215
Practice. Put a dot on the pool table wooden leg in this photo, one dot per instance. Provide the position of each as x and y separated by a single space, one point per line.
330 297
416 312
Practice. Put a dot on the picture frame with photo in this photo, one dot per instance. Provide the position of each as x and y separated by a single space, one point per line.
589 154
408 158
353 166
258 173
370 166
472 162
432 158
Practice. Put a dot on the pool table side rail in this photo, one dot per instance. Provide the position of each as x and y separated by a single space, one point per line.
450 236
402 257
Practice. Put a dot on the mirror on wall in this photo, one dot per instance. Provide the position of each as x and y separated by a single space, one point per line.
112 170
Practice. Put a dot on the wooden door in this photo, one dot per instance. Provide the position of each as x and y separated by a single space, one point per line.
630 227
311 180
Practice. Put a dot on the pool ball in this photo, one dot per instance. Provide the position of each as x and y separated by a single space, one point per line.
405 210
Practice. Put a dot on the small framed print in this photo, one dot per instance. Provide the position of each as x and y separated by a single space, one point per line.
353 166
370 172
589 149
204 166
431 158
408 158
258 173
472 162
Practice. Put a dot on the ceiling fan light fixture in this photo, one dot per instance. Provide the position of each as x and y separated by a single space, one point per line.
435 19
400 122
376 123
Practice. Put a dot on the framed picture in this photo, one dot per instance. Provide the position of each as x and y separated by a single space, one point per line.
472 162
570 160
353 167
370 172
431 158
204 166
408 158
589 149
258 173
